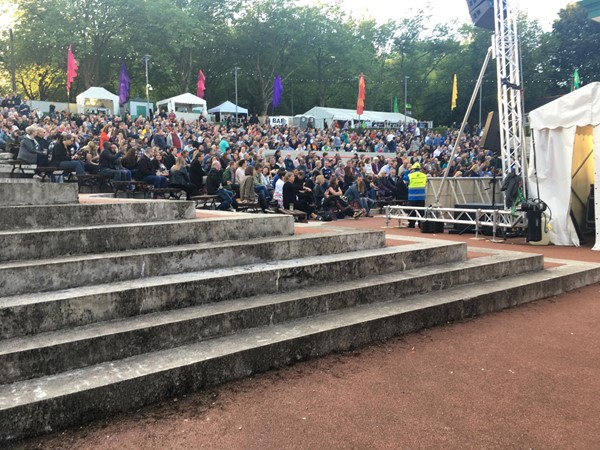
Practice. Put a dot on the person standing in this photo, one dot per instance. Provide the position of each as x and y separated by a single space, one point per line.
417 183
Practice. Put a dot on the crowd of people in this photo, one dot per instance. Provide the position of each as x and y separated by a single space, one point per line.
348 170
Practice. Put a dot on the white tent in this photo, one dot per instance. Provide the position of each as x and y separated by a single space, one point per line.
98 99
227 108
184 103
566 136
320 114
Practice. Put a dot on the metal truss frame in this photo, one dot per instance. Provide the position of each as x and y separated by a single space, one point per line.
506 49
495 218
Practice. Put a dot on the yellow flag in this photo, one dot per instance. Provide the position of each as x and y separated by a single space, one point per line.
454 93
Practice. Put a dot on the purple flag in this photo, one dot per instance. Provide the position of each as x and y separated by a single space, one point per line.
277 91
123 85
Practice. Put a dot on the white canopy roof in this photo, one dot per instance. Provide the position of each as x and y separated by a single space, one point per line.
321 112
227 108
96 98
566 159
183 103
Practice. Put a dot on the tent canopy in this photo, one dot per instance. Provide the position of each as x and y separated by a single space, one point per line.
227 108
97 99
566 160
321 113
184 103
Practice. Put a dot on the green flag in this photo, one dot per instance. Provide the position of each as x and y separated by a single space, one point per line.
576 80
395 104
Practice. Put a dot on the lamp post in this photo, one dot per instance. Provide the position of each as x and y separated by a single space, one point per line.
406 77
146 59
235 71
12 61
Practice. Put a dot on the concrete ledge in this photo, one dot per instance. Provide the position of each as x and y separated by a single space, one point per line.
64 273
21 191
51 353
49 404
85 214
51 243
34 313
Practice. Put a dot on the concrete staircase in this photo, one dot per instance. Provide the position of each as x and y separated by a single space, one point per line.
107 308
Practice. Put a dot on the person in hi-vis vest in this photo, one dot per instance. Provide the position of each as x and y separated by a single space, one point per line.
417 182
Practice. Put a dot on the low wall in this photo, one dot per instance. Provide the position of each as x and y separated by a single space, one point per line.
25 191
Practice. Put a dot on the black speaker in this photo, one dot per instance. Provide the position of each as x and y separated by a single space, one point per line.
482 13
491 134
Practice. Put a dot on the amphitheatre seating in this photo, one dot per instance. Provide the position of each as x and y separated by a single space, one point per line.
299 216
205 201
138 187
106 308
55 174
94 183
170 192
251 207
17 165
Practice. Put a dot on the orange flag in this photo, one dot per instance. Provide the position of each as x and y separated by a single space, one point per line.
360 103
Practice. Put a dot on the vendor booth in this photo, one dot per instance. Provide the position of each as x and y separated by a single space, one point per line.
228 108
186 106
98 100
565 162
322 114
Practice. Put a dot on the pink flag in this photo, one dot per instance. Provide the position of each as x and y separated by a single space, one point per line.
360 102
201 86
71 69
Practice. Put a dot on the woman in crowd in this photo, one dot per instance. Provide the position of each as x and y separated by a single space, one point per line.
196 173
247 192
180 179
333 199
290 197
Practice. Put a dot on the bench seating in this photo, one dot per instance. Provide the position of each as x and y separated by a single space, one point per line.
93 182
248 206
299 216
205 201
173 192
138 186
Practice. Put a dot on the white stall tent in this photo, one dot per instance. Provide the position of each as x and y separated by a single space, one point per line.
228 108
566 160
98 99
321 114
184 104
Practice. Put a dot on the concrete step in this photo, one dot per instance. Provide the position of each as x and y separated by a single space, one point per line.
75 397
55 242
48 311
26 191
59 351
85 214
41 275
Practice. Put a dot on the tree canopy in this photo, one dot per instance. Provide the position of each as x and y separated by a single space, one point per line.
318 51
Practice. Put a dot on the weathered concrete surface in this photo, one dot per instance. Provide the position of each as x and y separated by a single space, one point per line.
21 191
41 312
63 273
72 398
85 214
51 353
50 243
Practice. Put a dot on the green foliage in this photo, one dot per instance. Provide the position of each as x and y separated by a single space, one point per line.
318 51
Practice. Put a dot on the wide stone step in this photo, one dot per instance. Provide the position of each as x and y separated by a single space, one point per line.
26 191
55 352
23 277
47 404
52 243
47 311
85 214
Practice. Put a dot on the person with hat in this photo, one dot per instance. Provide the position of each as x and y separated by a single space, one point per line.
417 182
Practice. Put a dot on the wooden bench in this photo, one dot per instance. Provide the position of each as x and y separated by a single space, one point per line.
93 182
207 201
138 186
299 216
248 206
48 171
17 164
173 192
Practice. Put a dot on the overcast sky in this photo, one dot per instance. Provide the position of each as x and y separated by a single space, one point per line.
546 11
